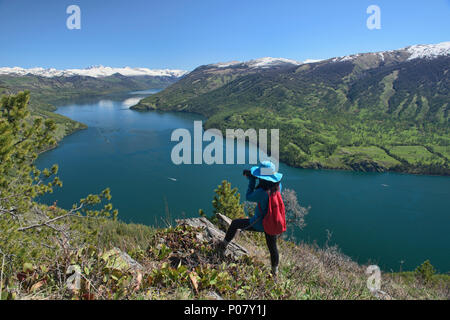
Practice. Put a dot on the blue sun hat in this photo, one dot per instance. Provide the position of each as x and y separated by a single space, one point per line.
266 171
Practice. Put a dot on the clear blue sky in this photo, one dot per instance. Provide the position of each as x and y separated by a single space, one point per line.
185 34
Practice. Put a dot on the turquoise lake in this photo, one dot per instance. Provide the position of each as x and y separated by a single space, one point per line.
384 218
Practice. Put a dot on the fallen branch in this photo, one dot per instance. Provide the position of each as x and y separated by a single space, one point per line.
48 222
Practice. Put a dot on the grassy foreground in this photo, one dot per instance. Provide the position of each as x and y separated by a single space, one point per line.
175 264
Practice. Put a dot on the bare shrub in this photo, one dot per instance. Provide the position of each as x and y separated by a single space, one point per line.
295 214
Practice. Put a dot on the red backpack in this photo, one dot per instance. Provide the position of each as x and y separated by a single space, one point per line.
274 221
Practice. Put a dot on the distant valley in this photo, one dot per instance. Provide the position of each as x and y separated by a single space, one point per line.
50 87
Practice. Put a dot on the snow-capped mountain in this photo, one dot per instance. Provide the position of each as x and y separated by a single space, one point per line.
422 51
266 62
95 71
429 51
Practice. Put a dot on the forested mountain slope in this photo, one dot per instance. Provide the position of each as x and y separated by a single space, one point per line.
372 112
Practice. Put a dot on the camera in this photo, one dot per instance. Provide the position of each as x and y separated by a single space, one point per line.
247 173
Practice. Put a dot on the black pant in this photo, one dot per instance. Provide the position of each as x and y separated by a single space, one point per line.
245 225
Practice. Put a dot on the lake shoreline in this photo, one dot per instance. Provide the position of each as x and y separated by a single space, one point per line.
321 168
371 166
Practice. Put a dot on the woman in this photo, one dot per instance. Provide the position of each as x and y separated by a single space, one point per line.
269 181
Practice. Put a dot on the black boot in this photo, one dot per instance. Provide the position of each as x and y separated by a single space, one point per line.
222 247
274 271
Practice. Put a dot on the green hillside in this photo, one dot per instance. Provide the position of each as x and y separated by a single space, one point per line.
344 114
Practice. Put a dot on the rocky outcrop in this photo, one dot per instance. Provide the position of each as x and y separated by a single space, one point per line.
212 234
223 220
119 260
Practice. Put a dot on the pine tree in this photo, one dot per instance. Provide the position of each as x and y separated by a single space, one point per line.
227 201
28 228
21 138
425 271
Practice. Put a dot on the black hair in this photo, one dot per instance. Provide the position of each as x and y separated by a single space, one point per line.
268 185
